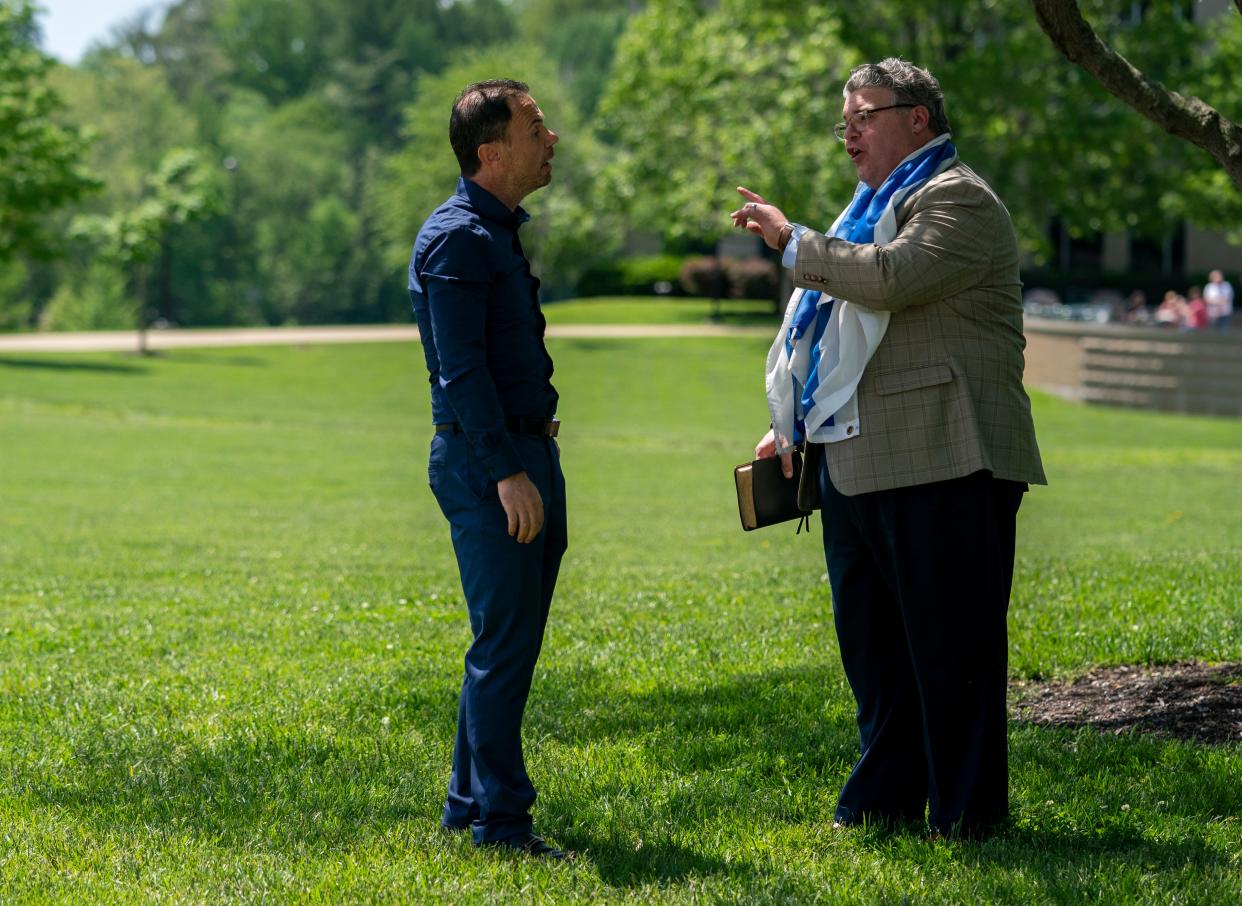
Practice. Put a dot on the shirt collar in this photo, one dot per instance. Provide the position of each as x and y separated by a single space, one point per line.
489 205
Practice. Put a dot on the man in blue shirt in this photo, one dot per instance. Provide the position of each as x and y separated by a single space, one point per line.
494 466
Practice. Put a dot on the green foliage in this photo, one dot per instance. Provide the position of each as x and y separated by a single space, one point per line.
16 308
1054 131
636 276
181 190
325 123
748 315
232 632
139 241
40 160
702 100
1203 193
581 35
121 100
291 184
706 96
569 230
94 297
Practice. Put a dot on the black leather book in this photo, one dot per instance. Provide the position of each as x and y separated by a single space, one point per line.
764 495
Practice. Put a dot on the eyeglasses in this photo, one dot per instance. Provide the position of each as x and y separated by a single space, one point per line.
860 119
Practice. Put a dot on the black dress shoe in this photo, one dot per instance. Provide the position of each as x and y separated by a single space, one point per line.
529 844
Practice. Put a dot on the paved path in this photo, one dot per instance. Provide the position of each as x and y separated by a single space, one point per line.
125 340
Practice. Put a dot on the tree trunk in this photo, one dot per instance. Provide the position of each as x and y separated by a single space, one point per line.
1188 118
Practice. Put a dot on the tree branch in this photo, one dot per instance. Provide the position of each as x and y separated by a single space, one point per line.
1186 117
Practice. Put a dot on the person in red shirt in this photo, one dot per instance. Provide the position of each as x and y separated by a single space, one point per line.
1196 310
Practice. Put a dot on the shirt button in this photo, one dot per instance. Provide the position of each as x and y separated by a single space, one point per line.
849 430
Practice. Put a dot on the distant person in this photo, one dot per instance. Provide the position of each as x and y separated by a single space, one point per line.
1172 309
494 468
1219 297
900 361
1136 308
1196 311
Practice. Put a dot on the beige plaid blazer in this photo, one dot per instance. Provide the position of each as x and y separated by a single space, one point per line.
942 397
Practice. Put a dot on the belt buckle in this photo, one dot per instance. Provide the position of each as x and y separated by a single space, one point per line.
552 427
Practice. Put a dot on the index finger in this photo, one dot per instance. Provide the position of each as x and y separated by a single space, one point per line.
749 195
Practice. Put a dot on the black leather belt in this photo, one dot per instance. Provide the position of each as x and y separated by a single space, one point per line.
543 427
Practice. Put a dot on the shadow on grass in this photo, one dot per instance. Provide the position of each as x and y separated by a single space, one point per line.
50 364
188 357
1061 860
620 864
753 756
791 711
325 785
788 731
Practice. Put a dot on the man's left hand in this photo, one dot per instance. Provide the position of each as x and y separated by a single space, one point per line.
759 217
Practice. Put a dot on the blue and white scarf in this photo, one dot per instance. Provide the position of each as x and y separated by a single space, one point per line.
818 357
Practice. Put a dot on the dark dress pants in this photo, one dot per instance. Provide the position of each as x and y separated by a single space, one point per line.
508 589
920 586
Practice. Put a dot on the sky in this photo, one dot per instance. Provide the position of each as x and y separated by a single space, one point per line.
70 26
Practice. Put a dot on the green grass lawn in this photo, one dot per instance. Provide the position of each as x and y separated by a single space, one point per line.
231 638
662 310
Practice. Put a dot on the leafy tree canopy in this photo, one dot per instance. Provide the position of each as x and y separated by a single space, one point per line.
41 165
702 100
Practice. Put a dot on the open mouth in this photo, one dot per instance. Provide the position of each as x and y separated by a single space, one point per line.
853 152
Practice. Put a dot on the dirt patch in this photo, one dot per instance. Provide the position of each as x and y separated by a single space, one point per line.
1192 701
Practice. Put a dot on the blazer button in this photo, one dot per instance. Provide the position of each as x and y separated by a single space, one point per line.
849 430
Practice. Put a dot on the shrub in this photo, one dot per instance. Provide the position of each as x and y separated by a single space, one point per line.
752 278
705 277
642 275
97 299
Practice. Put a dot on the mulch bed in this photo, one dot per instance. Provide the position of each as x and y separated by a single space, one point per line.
1191 701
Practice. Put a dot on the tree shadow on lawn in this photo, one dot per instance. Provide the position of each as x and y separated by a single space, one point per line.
1056 845
781 713
50 364
195 357
280 788
727 750
773 731
727 754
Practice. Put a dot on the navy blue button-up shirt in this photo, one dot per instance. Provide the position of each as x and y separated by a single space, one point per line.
477 307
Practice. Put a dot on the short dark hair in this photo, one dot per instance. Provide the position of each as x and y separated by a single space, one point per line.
909 84
481 114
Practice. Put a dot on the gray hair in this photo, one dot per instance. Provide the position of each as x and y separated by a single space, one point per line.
909 84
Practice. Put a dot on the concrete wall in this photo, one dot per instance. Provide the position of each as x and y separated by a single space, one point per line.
1143 367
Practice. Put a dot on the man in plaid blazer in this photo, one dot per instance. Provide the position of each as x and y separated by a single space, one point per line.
920 499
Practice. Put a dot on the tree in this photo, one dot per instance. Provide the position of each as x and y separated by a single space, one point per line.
140 240
1186 117
704 95
41 162
581 36
702 99
1054 130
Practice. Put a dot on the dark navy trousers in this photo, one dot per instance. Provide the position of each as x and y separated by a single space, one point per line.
920 586
508 588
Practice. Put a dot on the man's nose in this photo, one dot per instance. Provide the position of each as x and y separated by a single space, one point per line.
553 138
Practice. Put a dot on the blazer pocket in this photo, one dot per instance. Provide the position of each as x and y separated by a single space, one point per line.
912 378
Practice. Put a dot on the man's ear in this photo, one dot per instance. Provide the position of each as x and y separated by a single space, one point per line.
921 118
489 153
